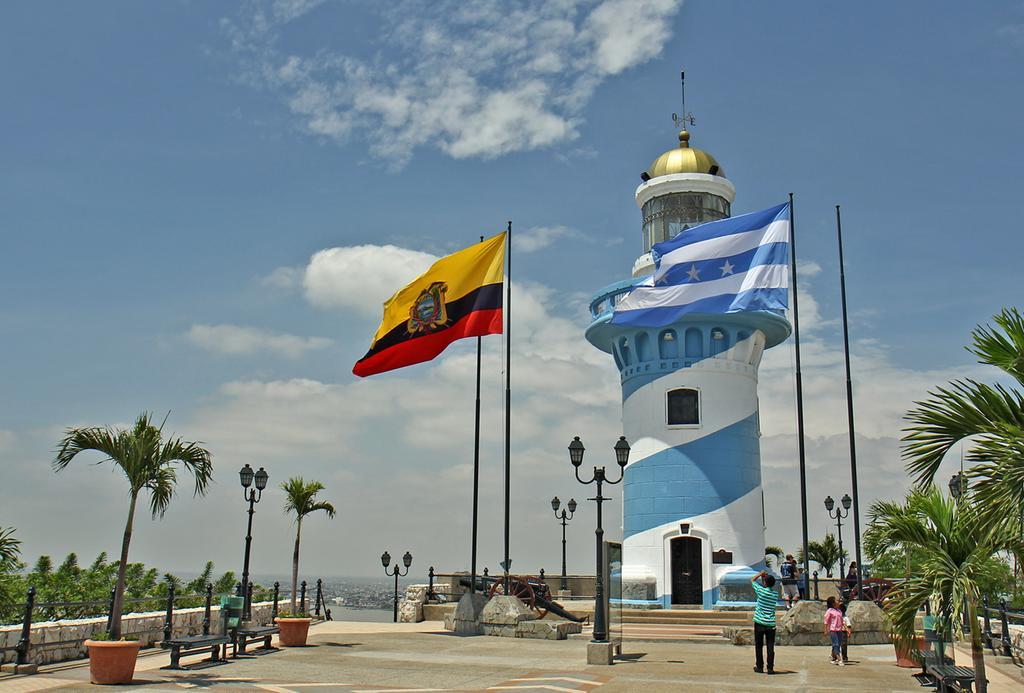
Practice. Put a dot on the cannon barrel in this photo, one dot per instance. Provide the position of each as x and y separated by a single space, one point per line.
484 583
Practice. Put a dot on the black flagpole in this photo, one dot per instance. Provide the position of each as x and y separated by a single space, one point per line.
508 395
799 396
476 465
849 407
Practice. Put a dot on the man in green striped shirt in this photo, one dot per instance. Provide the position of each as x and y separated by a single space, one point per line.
764 619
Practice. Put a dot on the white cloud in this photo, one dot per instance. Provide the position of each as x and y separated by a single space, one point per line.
473 79
362 277
283 278
236 339
541 237
7 439
626 33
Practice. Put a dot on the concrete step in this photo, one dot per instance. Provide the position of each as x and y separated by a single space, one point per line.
666 633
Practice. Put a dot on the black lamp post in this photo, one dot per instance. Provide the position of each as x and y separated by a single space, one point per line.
555 504
253 496
838 517
958 486
576 451
396 571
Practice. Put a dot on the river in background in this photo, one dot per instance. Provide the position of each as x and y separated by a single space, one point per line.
345 613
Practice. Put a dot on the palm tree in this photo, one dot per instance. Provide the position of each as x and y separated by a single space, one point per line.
10 547
955 547
772 550
991 415
149 463
300 498
825 553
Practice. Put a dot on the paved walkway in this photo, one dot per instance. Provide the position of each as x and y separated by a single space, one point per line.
348 657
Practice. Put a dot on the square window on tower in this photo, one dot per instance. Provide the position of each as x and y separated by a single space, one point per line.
683 407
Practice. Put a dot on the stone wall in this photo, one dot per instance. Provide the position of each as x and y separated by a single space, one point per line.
58 641
579 585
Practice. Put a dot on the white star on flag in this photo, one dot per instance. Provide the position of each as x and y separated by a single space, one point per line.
727 268
694 273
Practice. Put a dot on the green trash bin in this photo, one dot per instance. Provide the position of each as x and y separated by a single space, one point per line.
231 611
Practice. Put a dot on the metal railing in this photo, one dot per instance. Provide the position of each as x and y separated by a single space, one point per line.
1001 642
51 611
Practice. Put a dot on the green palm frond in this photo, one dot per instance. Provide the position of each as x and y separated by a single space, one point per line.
10 546
300 497
963 409
1004 350
991 416
145 458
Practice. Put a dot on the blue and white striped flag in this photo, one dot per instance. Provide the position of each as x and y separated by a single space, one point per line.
727 266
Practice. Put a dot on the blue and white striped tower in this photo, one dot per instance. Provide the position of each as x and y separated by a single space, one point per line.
693 510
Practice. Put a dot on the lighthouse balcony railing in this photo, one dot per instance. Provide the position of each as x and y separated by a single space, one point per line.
604 303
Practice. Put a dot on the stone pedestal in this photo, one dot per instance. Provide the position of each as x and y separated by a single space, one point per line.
600 652
410 611
803 624
640 587
503 614
735 590
466 618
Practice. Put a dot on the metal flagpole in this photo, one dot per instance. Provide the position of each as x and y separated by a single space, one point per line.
849 408
507 563
476 465
799 393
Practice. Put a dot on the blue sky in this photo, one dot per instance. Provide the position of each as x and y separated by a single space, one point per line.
171 171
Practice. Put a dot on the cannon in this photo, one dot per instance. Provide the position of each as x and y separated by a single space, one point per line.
530 589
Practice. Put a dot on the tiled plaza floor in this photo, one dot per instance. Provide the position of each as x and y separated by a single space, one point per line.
377 658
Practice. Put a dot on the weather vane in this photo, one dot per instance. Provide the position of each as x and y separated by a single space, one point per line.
686 118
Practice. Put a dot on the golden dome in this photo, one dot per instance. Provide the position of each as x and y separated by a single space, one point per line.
685 159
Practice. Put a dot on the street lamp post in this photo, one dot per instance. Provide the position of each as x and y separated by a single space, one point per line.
576 451
555 504
838 517
396 571
252 496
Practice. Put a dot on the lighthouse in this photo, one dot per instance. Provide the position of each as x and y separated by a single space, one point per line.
693 509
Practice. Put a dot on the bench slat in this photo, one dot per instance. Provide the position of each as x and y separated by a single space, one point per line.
195 640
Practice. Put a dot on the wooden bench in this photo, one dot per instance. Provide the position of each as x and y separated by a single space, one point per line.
194 644
947 675
251 634
243 636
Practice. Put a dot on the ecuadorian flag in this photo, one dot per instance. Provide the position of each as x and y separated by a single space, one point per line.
459 296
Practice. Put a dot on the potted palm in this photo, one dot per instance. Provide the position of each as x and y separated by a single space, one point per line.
149 463
956 547
301 499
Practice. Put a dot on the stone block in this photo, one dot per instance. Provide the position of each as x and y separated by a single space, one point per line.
410 612
739 636
505 610
640 588
600 653
547 630
466 618
416 593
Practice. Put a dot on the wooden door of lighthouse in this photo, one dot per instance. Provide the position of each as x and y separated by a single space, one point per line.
687 578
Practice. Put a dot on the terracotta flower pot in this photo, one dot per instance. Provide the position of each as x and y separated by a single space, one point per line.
907 655
293 631
112 661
